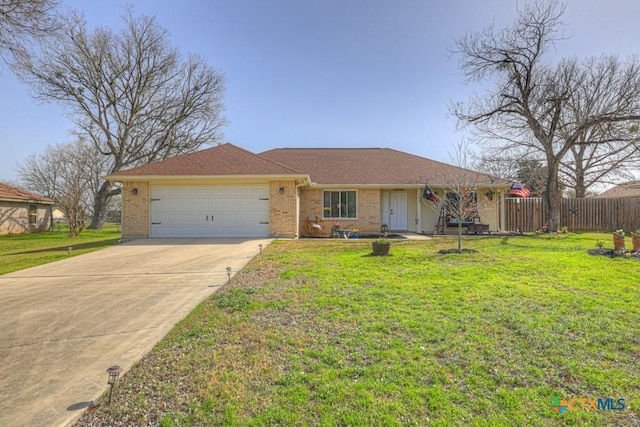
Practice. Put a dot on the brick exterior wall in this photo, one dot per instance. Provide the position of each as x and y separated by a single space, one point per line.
283 221
282 209
368 220
135 211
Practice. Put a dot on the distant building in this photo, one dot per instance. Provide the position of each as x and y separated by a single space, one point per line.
630 189
23 212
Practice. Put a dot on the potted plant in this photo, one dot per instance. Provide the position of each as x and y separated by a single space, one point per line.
635 240
381 246
618 240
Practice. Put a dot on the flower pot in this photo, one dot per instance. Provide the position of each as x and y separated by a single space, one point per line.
380 248
618 242
635 240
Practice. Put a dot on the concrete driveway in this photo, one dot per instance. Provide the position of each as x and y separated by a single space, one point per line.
63 324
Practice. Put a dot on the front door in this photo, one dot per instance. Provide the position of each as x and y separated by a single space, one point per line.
398 211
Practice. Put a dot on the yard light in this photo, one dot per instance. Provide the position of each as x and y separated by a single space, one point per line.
69 250
260 246
114 373
229 274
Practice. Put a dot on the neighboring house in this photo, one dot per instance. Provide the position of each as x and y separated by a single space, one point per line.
630 189
226 191
58 214
22 211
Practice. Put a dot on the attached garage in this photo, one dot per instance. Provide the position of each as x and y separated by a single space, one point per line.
209 211
222 191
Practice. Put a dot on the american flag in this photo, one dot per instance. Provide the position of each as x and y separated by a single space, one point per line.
519 190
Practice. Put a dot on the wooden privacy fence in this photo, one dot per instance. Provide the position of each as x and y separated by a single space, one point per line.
576 214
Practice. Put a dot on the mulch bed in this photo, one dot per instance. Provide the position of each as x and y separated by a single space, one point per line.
614 254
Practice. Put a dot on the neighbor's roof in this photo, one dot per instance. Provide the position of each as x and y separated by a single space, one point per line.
221 160
627 189
373 166
15 194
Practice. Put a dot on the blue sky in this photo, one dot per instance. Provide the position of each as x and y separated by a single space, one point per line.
354 73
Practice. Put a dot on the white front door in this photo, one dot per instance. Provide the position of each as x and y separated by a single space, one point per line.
398 211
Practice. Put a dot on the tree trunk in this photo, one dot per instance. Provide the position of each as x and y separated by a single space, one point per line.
99 206
552 200
581 189
459 234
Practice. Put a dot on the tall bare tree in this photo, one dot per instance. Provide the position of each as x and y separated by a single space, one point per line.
64 173
128 93
538 107
23 21
599 159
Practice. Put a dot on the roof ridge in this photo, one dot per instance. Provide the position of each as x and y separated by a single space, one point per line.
326 148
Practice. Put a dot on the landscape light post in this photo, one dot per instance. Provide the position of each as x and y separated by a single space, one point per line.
114 372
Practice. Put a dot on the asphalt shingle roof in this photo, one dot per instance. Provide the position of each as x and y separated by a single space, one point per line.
373 166
11 193
221 160
627 189
325 166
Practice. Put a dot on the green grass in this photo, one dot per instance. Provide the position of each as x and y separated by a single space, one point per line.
320 333
29 250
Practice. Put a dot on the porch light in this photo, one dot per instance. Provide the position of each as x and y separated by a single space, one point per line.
281 190
114 373
134 191
229 274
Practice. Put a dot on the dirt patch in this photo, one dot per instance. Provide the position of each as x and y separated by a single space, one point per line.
457 251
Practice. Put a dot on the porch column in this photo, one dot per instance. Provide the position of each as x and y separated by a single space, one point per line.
418 224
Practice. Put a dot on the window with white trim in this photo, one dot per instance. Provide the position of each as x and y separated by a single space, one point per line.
340 204
33 215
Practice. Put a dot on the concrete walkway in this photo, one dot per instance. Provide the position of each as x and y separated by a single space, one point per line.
63 324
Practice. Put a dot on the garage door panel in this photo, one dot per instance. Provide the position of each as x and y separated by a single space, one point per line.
210 211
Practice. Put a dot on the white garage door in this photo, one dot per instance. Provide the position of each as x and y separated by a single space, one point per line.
210 211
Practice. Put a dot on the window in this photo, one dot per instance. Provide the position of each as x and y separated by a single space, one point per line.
33 215
467 208
339 204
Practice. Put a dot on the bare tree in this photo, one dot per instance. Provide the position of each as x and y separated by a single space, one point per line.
128 93
23 21
496 164
64 173
459 203
39 173
538 107
73 185
601 159
528 171
42 173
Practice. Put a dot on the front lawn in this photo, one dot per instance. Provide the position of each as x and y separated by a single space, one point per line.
21 251
317 332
